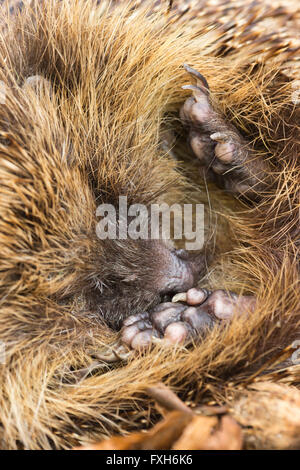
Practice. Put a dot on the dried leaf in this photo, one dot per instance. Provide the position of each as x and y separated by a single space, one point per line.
207 433
160 437
130 442
167 399
270 414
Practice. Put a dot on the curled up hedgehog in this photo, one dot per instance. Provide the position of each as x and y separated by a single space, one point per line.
195 101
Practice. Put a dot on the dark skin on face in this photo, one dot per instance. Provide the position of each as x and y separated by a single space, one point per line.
137 275
224 157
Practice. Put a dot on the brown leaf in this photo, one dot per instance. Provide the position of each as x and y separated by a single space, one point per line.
270 414
166 399
207 433
160 437
130 442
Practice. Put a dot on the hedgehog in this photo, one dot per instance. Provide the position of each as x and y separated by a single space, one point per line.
96 103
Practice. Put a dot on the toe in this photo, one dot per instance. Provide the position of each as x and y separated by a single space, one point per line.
163 317
222 304
225 147
134 318
199 94
196 296
201 146
176 333
199 320
128 333
225 152
142 340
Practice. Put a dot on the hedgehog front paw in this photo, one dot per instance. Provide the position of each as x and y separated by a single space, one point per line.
189 317
218 146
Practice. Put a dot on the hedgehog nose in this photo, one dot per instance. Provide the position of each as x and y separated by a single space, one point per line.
182 273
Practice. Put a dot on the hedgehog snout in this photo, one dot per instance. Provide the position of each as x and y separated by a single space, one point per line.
179 272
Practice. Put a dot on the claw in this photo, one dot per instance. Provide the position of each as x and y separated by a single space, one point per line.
220 137
199 93
198 76
156 340
117 353
180 297
192 87
81 374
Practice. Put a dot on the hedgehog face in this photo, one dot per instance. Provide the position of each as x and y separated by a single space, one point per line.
134 275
